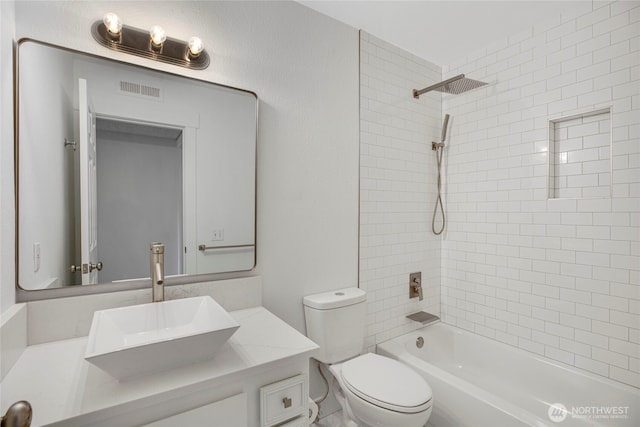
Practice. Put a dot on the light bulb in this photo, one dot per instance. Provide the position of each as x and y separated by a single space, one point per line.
195 46
158 35
112 22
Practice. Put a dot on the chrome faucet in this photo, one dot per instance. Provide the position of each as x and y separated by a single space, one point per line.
157 271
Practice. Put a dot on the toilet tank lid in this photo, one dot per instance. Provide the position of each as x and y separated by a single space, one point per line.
335 299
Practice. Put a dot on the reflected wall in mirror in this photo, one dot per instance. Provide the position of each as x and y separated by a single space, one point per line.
112 157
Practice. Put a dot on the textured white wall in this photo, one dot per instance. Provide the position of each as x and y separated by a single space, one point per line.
556 277
304 68
48 168
397 186
7 213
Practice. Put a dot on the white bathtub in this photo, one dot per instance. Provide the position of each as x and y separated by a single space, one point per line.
480 382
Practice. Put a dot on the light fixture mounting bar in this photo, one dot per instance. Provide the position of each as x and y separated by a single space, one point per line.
137 42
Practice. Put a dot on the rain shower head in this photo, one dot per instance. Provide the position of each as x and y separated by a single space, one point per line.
455 85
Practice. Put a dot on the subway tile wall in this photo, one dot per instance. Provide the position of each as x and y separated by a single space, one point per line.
397 187
556 277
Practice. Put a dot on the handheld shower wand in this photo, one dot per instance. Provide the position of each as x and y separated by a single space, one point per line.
443 136
444 128
438 147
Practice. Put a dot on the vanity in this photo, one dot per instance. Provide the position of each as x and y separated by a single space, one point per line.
259 377
117 122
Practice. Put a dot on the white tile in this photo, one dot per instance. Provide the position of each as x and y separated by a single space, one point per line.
596 16
591 365
624 347
576 37
611 24
596 43
579 62
609 330
610 357
625 319
559 330
611 52
592 339
575 347
598 69
624 376
560 355
610 302
575 296
531 346
576 322
591 312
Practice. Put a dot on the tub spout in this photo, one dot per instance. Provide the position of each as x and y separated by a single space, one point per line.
157 271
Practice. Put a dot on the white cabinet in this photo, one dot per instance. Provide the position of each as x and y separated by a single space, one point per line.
229 412
301 421
284 400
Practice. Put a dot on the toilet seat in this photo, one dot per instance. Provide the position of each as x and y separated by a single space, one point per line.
386 383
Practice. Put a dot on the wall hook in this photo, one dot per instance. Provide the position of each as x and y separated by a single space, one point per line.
71 144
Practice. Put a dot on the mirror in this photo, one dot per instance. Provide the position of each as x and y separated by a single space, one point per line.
112 157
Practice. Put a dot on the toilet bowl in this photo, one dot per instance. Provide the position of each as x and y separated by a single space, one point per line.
375 391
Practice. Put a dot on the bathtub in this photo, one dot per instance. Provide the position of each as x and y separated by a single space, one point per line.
480 382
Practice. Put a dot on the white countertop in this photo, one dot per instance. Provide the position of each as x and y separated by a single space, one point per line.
60 384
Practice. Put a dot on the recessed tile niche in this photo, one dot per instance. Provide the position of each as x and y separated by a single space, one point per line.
580 155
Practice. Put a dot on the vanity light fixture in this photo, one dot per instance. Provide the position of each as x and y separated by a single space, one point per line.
158 37
113 23
153 44
195 47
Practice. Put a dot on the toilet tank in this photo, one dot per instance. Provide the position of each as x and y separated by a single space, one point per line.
336 322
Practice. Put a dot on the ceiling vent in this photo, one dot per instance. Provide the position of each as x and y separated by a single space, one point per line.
148 92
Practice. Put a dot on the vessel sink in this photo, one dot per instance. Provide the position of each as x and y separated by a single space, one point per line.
138 340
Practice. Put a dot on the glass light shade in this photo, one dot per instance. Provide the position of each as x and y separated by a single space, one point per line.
158 35
195 46
112 22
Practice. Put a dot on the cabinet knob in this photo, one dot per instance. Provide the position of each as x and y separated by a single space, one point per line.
286 402
19 414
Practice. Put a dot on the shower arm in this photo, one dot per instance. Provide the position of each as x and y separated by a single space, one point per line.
417 93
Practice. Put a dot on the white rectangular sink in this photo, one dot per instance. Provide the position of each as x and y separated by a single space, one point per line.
138 340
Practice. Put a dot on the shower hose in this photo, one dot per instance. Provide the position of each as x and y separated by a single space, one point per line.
439 152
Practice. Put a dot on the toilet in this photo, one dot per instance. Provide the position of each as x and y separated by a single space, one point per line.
373 390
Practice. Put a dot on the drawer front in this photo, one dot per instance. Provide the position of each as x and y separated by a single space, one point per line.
301 421
284 400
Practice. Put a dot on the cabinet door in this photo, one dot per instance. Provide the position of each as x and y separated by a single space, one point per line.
229 412
298 422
